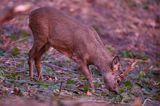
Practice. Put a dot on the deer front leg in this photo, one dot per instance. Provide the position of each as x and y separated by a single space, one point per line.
87 73
39 68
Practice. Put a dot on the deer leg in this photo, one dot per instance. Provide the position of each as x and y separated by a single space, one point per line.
30 61
87 73
38 60
39 47
34 55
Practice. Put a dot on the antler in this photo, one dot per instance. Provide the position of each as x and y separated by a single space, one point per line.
129 69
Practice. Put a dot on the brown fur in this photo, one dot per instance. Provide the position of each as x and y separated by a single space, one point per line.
81 43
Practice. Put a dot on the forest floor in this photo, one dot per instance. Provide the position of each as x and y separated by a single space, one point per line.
128 28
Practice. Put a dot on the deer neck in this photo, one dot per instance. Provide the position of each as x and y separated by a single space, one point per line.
103 60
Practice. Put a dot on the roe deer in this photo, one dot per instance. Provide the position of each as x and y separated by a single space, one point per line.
51 28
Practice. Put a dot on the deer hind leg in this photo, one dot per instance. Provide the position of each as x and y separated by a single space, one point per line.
38 59
35 55
31 61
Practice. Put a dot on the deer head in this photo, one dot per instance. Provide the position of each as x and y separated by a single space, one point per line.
116 75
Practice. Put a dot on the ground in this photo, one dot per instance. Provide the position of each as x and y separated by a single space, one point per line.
128 28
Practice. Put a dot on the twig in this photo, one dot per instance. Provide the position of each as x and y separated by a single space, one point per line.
60 88
146 101
56 67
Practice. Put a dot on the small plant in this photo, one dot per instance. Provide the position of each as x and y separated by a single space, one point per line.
2 53
24 34
142 74
127 54
133 54
14 37
15 51
2 76
69 81
128 84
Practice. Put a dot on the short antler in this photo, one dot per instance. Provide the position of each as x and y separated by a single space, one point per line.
129 69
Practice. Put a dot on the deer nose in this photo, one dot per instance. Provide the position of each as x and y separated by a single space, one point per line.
115 90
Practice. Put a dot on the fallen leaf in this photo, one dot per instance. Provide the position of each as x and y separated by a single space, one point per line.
89 93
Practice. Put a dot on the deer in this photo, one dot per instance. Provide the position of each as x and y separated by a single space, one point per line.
52 28
79 42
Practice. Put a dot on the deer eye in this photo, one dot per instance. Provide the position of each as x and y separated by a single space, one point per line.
118 81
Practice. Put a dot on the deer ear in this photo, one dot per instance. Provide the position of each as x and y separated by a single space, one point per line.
115 64
115 60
